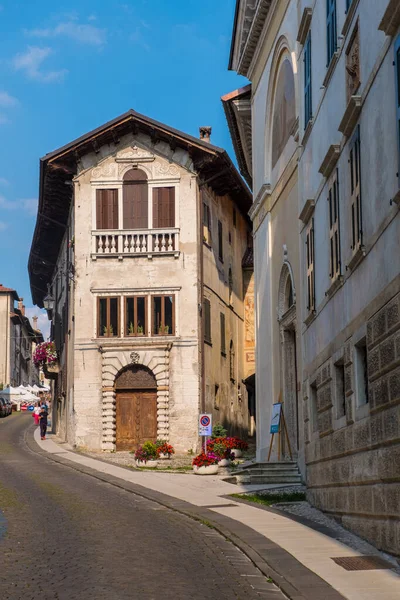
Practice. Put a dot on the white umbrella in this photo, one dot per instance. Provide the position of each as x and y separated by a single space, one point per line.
36 389
12 391
28 397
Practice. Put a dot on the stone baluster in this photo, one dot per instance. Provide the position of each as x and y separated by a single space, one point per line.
107 244
144 248
163 243
126 245
137 243
113 244
170 237
157 243
132 243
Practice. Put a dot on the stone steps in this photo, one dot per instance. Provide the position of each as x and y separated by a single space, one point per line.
268 473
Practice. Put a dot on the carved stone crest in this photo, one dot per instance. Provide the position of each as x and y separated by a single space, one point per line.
134 358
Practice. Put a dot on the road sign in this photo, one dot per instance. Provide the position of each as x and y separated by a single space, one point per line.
23 407
205 425
31 408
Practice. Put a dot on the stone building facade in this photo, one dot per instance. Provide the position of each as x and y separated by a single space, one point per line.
17 341
131 259
264 122
347 59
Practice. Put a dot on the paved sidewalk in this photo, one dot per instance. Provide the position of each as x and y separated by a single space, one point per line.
297 558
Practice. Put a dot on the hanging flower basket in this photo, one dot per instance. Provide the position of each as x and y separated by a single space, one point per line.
45 356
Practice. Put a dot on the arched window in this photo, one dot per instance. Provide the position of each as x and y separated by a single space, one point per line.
287 292
232 361
135 200
284 115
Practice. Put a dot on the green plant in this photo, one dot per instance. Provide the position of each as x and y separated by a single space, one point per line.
160 443
140 328
151 449
190 452
269 499
131 329
218 431
166 329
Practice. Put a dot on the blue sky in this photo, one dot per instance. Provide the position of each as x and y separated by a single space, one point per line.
68 67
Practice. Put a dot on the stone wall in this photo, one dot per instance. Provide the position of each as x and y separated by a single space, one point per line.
353 460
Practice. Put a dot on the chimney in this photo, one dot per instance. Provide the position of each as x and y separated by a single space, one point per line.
35 320
21 306
205 134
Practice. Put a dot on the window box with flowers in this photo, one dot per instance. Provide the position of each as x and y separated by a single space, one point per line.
45 356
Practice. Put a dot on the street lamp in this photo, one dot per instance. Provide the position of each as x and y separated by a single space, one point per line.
48 302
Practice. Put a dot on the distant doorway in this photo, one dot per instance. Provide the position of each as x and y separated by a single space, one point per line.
288 360
136 407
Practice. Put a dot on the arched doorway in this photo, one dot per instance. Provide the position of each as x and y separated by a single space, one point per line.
287 326
136 407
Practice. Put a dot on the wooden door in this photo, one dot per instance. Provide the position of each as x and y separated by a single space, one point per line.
136 418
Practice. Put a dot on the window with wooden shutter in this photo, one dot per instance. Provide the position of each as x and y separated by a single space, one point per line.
163 207
207 320
307 81
108 317
232 364
135 200
331 32
222 327
334 228
163 309
355 189
106 209
397 67
206 224
310 267
220 242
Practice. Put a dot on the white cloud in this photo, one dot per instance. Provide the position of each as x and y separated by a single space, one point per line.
43 323
82 33
7 101
31 61
4 181
3 226
28 205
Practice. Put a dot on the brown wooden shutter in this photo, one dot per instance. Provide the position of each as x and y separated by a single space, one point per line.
107 209
163 207
135 202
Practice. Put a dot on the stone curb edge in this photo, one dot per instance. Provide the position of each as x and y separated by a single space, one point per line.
292 577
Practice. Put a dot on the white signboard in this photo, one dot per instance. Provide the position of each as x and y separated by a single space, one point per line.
205 425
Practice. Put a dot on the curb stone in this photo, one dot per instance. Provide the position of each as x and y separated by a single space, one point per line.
295 580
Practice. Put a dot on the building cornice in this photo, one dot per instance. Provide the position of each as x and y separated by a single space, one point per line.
252 15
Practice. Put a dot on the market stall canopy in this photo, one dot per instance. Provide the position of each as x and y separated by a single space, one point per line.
12 391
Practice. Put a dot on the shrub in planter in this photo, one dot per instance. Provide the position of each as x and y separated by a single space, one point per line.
218 431
235 443
145 453
205 460
164 450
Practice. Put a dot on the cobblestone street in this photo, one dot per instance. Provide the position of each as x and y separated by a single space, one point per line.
64 535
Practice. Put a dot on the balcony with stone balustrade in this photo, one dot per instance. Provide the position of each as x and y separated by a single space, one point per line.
122 244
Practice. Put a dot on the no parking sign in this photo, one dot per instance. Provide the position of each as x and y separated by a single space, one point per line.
205 425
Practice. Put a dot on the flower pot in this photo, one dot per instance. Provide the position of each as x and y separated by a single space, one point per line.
164 456
51 370
224 462
237 452
146 463
208 470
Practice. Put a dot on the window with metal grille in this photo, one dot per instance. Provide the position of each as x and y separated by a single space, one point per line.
207 320
220 242
310 266
331 32
307 81
222 327
355 189
397 67
334 228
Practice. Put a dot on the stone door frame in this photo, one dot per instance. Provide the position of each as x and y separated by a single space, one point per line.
114 360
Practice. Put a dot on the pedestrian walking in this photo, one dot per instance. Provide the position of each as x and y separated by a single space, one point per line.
43 422
36 413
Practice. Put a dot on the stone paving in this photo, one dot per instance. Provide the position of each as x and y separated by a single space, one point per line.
69 536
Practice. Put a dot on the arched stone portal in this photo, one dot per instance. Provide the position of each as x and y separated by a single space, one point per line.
287 326
116 366
136 407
